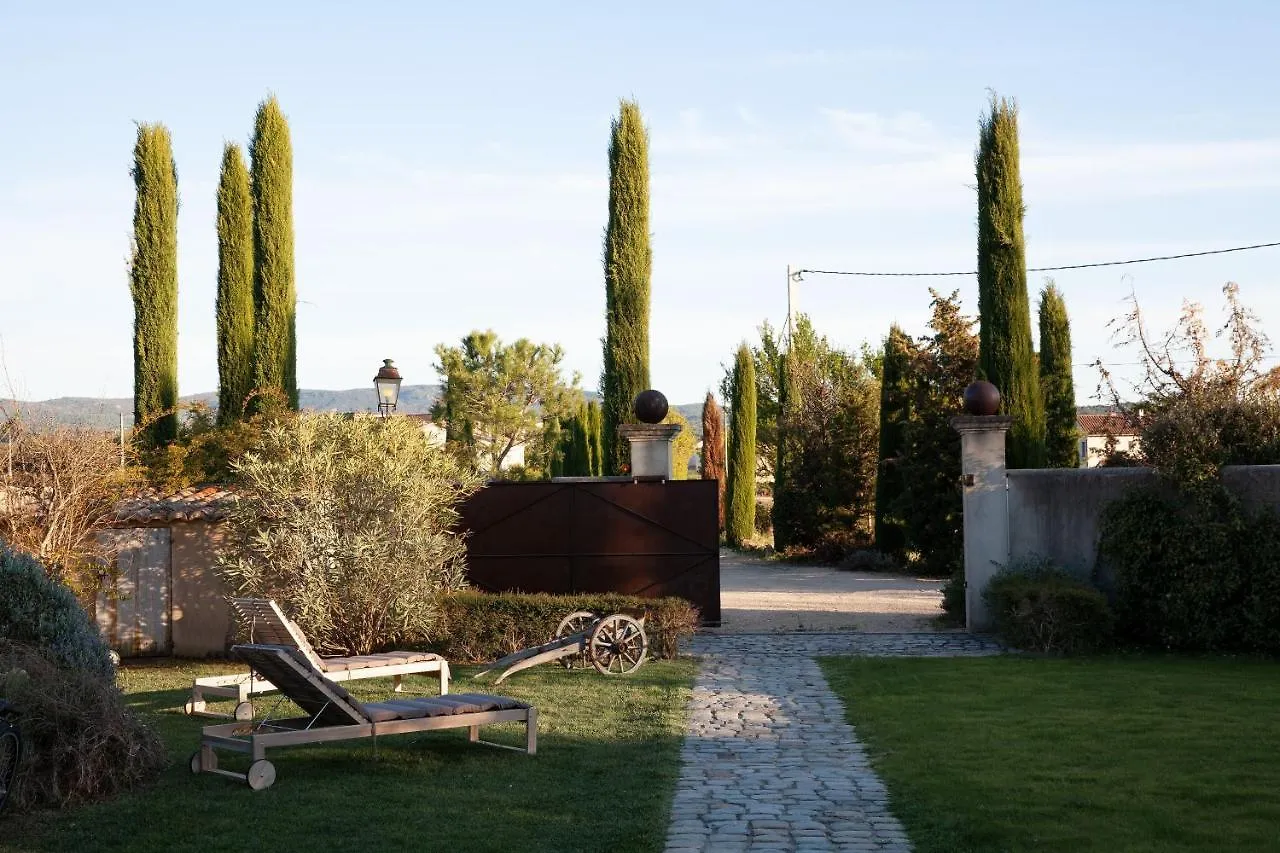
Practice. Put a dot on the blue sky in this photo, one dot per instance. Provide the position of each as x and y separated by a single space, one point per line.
450 168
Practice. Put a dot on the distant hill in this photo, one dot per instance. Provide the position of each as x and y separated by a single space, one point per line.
104 412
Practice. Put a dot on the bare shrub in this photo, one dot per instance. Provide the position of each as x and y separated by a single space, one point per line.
61 485
82 742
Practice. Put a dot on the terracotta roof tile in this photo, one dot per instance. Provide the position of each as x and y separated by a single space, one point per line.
1108 423
207 503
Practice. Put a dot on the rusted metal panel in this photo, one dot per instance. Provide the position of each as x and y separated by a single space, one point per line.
652 539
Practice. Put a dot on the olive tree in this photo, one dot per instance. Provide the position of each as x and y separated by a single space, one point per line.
349 523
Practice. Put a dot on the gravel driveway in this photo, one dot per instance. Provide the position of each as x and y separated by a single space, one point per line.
765 596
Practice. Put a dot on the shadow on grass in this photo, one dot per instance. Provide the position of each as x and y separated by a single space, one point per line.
607 762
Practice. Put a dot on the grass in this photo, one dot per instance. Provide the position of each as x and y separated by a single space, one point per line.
1123 754
608 757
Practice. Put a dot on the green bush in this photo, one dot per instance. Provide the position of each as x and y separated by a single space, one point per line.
479 626
953 598
1039 607
1193 570
350 524
36 610
868 560
82 742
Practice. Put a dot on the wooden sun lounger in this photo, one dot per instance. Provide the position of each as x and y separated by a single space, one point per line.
333 714
267 624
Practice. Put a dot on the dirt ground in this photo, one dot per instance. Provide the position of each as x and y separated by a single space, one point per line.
764 596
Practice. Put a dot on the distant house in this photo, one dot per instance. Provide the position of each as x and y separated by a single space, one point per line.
436 435
1097 429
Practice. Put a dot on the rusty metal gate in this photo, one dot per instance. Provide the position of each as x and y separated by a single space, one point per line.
646 538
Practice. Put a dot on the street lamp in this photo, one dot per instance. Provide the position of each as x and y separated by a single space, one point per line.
387 384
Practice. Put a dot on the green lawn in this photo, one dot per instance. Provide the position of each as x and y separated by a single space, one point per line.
608 757
1107 754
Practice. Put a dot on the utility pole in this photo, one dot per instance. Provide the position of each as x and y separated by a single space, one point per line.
793 298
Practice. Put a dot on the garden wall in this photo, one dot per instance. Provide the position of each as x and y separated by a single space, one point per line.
1056 513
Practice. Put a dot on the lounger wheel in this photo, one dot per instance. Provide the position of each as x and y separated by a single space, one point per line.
261 774
243 712
576 622
617 645
204 764
189 707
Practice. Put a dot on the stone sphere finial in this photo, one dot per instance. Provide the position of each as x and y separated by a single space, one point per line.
981 398
650 406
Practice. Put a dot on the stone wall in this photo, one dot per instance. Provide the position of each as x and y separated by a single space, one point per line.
1057 513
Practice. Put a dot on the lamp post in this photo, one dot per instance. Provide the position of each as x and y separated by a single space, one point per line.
387 384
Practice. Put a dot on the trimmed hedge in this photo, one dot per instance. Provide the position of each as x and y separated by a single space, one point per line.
479 626
36 610
1041 608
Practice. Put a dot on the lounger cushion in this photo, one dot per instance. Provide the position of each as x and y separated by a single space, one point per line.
370 661
439 706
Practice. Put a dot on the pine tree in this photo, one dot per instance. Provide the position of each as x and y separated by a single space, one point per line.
153 281
235 286
1004 311
713 463
1056 383
627 263
740 512
895 412
275 359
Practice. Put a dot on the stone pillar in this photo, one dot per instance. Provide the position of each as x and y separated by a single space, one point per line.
650 448
986 508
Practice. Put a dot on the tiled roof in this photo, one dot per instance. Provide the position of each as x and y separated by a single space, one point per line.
208 503
1108 423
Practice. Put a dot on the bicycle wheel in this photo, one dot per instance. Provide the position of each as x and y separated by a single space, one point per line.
10 756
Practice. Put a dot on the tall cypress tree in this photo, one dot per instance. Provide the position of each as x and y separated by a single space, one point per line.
235 286
1056 383
740 511
595 440
895 412
627 263
275 358
713 462
153 281
1004 311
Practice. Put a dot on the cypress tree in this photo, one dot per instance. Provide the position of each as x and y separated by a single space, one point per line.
153 281
713 462
595 440
1055 380
235 286
578 460
740 511
275 359
627 263
895 412
1005 352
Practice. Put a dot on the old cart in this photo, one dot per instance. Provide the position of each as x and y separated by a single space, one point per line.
615 645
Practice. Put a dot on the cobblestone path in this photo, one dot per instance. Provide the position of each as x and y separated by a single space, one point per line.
769 763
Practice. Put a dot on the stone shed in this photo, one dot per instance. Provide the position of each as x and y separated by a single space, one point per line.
166 598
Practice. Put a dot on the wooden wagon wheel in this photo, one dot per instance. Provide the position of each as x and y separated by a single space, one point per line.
617 645
576 622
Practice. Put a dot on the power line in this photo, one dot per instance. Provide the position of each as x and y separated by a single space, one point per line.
1051 269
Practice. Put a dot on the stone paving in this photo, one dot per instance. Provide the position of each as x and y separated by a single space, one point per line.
769 764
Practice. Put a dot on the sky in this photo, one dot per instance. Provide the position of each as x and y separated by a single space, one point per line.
450 169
